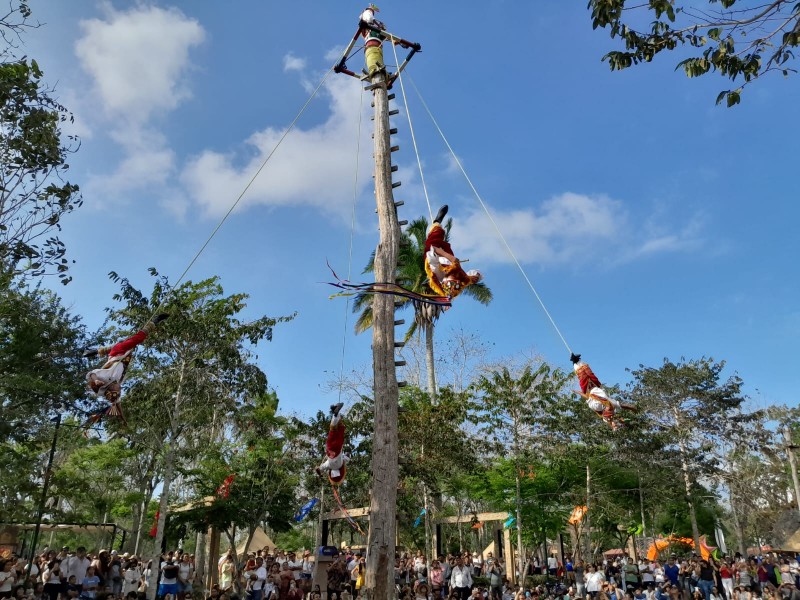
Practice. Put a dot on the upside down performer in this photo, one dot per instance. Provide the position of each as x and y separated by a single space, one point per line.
335 461
107 380
594 394
445 275
373 47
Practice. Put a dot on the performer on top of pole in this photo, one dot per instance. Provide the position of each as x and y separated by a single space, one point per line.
373 52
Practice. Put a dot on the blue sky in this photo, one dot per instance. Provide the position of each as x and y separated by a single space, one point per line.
653 223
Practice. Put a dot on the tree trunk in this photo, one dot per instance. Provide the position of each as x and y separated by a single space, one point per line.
163 505
687 482
132 541
427 524
379 580
429 362
169 472
200 558
460 529
737 525
787 437
520 548
587 519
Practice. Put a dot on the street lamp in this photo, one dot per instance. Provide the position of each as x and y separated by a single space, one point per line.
43 499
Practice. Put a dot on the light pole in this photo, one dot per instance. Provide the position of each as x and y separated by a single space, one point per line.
43 499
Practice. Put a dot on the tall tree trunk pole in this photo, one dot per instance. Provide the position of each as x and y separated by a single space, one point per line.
687 482
588 557
518 498
429 362
169 473
641 504
737 525
379 581
520 547
787 438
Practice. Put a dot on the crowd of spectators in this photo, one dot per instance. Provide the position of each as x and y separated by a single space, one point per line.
106 575
285 575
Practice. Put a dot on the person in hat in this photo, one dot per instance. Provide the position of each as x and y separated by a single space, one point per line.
445 275
335 461
596 398
107 381
373 47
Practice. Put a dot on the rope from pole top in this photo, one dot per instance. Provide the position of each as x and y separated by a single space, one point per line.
352 232
489 214
244 191
411 128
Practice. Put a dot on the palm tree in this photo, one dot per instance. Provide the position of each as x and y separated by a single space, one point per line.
411 275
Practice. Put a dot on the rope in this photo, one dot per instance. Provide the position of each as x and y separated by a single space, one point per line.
488 214
244 191
413 137
350 520
352 231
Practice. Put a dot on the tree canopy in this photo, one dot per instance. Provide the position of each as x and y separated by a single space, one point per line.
741 41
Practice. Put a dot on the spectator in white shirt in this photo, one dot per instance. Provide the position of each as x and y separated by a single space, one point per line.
258 577
76 565
461 580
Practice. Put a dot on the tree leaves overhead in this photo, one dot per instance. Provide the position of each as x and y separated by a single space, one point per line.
741 43
34 192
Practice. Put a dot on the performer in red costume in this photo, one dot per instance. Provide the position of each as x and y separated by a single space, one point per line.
335 461
596 398
445 275
107 380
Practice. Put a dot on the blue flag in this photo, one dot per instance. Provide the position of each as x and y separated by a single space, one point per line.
419 518
302 513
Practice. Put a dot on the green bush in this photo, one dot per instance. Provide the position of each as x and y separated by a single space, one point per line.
532 581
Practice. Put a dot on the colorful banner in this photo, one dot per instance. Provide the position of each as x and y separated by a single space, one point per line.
419 518
303 511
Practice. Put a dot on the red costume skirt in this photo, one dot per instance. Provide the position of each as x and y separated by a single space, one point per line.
335 441
436 238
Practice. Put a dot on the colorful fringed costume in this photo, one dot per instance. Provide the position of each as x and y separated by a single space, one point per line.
335 461
594 394
445 275
107 380
373 47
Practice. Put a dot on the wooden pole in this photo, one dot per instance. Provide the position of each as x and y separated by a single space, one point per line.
379 581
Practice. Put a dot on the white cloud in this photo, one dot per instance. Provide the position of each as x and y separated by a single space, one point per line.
313 166
569 227
138 62
138 59
293 63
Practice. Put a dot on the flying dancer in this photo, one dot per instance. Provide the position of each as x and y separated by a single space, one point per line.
106 382
596 398
445 275
335 461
